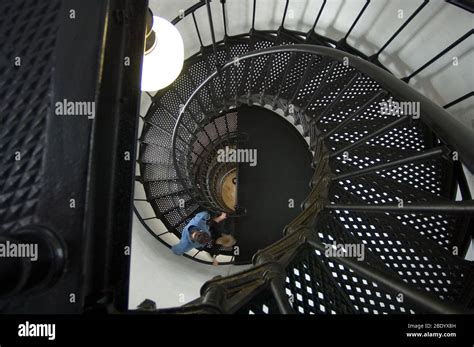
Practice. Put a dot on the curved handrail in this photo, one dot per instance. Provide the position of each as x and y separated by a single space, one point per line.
188 11
446 127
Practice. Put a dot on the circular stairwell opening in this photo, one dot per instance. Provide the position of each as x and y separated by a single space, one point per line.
249 162
273 185
228 189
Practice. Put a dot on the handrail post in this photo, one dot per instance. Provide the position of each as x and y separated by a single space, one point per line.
276 276
213 34
318 16
439 55
367 2
413 15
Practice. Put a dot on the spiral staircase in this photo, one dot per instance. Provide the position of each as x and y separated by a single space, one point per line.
391 182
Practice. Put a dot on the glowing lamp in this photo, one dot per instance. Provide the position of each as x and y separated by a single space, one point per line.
164 54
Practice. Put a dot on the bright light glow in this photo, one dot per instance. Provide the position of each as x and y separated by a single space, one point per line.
164 63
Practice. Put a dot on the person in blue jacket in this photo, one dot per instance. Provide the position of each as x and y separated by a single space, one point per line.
197 233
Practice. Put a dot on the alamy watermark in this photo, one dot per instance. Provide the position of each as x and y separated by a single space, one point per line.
345 250
241 155
19 250
400 108
28 329
75 108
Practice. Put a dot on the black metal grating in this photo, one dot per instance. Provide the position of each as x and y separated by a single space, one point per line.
416 257
366 296
236 73
341 111
337 80
29 31
311 288
264 303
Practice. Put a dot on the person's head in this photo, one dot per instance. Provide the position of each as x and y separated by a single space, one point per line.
200 236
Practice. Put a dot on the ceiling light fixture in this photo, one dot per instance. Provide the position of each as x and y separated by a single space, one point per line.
164 54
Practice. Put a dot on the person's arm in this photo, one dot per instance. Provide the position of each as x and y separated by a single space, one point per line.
213 250
214 261
184 244
220 218
180 248
201 216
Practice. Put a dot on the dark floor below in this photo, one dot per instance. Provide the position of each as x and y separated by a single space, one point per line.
282 173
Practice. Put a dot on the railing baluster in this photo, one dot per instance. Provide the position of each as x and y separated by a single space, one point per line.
195 254
197 30
458 100
414 14
253 14
284 14
319 15
367 2
223 2
213 34
439 55
214 45
462 181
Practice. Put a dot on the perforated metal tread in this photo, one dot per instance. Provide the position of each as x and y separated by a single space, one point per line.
312 287
420 262
166 194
